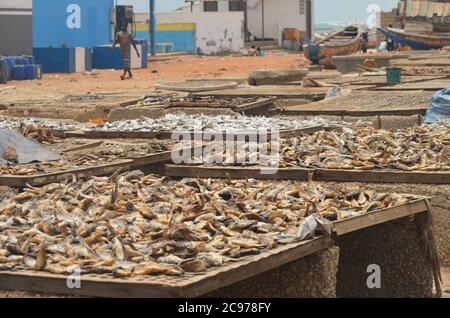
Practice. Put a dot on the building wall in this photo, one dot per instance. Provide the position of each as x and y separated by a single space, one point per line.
15 27
215 32
278 15
71 23
180 35
425 8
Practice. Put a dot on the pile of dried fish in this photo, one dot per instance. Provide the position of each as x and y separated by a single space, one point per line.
196 101
365 148
15 123
38 133
136 225
80 153
424 148
221 123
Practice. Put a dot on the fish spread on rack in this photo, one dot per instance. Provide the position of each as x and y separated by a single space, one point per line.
83 153
424 148
366 148
169 101
15 123
131 225
221 123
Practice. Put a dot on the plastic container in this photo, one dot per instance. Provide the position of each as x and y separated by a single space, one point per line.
394 75
11 64
30 58
30 72
19 73
21 60
4 71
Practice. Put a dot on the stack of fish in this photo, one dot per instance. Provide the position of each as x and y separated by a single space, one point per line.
413 149
142 225
424 148
222 123
106 152
15 123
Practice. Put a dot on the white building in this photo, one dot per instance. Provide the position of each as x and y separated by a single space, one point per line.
265 19
16 27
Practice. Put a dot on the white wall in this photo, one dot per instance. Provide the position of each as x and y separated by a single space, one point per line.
216 32
278 15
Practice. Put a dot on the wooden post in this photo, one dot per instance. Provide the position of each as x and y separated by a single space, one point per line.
263 35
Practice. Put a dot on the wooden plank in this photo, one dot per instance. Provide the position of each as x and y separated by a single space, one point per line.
353 113
262 263
164 157
84 147
300 132
223 172
237 173
156 286
55 177
379 217
165 135
258 105
283 91
442 177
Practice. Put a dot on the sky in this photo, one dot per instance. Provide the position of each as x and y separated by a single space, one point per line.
326 10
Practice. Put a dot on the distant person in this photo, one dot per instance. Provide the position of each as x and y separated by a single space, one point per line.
390 42
252 51
125 40
364 42
260 52
383 46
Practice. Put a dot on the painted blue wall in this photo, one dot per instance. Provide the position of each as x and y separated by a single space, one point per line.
54 26
183 41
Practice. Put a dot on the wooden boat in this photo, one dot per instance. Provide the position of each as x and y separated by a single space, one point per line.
344 42
416 41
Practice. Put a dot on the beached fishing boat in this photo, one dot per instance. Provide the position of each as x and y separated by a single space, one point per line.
344 42
417 41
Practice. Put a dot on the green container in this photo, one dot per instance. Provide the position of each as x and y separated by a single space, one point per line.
394 75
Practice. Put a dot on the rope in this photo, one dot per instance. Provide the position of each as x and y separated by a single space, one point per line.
425 226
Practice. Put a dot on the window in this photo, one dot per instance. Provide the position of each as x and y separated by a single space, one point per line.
210 6
236 5
302 7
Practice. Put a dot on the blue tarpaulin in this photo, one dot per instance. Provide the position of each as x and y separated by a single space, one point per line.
440 107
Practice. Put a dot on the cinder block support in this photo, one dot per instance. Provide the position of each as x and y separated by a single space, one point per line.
313 276
397 248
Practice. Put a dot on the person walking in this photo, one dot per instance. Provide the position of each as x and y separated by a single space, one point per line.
125 39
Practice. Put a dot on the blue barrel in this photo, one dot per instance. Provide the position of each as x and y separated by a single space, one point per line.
11 64
30 72
4 71
21 60
19 73
30 58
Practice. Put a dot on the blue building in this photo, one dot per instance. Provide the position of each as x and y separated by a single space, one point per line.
66 31
71 23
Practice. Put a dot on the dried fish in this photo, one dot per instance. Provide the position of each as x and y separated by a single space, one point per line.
424 148
221 123
159 226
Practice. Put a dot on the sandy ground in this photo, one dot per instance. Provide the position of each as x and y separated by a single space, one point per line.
177 69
